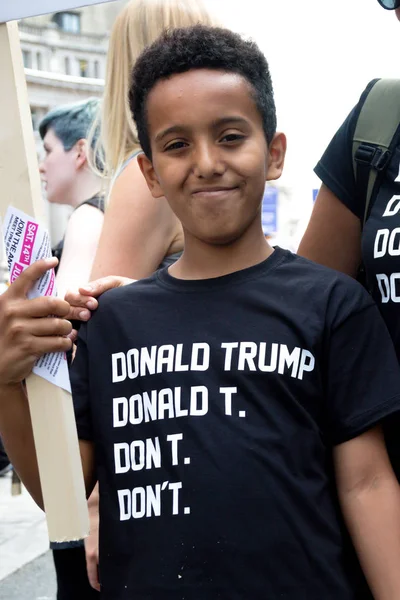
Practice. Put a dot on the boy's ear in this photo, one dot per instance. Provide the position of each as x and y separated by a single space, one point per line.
276 156
146 166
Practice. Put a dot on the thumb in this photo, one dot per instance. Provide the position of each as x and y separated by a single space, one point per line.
24 282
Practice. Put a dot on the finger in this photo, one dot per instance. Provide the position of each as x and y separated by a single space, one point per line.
99 286
44 345
80 300
43 306
48 326
76 313
22 285
73 336
52 344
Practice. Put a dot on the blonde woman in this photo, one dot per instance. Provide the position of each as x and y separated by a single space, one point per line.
140 233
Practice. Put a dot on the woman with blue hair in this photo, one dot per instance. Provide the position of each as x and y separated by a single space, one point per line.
68 179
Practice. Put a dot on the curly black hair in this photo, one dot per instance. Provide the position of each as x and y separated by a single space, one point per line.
200 47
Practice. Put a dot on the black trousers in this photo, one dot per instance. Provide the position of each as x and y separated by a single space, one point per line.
72 579
4 462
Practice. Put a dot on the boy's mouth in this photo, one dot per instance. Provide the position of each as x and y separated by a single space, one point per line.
214 192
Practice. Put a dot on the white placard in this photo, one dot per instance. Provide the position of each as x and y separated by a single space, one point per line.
19 9
25 242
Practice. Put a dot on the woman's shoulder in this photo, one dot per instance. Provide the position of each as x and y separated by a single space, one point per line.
87 216
128 162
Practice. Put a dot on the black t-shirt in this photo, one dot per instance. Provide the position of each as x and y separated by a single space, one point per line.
381 234
214 405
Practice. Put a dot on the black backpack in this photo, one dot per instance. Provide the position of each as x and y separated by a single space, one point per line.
376 135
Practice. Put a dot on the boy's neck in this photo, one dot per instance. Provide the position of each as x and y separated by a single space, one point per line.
206 261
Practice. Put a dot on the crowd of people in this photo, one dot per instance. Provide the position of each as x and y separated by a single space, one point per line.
237 405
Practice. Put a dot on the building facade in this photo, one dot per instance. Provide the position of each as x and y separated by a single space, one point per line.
65 53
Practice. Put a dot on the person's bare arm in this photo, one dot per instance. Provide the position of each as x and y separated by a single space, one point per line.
29 329
92 541
369 495
80 245
17 436
138 229
333 235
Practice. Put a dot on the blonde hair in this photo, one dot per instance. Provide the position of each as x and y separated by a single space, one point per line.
139 24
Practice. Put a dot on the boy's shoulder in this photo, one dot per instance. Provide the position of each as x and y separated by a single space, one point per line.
304 267
321 285
119 298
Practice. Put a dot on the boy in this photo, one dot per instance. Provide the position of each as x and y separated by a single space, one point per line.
216 397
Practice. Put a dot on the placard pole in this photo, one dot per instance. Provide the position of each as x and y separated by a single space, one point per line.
51 408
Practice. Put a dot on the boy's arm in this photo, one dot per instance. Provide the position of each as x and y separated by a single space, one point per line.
29 329
369 495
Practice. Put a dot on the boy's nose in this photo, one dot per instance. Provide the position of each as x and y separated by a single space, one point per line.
208 162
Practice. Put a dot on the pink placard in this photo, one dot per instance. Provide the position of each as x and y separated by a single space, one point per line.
27 243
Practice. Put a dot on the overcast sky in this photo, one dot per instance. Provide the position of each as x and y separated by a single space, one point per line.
322 53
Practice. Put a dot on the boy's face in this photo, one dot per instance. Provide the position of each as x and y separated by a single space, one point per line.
209 153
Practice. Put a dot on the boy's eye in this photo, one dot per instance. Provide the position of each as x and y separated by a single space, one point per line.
232 137
175 146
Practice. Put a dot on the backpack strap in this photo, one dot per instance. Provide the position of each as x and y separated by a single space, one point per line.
375 137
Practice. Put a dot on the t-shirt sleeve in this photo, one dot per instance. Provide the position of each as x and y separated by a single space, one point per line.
335 168
79 375
363 375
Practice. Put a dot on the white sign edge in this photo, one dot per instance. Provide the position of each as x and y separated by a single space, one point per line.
21 9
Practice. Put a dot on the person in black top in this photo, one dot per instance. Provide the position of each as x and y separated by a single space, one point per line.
230 403
337 237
